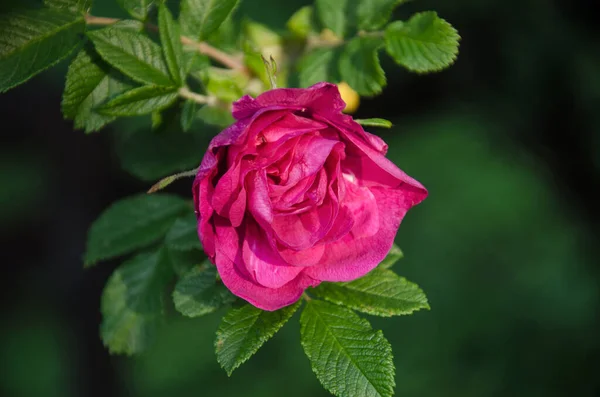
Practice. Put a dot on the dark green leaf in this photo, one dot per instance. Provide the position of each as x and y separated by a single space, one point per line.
183 261
380 293
392 257
359 65
243 331
170 38
132 223
374 14
301 24
426 43
133 303
348 357
199 293
319 65
140 101
90 83
381 123
200 18
152 155
188 114
34 40
133 54
333 15
73 5
183 235
136 8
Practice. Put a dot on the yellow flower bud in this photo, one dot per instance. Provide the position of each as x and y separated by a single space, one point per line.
349 96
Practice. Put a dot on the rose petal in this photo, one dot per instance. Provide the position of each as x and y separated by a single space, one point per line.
351 258
261 260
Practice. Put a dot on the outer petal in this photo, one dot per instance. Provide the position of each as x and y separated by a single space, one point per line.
323 98
241 283
263 262
351 258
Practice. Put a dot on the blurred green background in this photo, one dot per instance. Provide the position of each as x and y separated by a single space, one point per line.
508 143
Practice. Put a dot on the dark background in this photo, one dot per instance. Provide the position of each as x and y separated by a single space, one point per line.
506 246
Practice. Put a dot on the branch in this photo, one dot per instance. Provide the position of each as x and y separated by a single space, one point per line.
202 47
201 99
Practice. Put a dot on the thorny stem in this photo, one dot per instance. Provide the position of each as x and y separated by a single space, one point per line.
202 47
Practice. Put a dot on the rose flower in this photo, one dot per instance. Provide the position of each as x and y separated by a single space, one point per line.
295 193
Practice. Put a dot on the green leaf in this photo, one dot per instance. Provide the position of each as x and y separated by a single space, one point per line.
140 101
132 223
73 5
380 293
381 123
227 85
182 262
348 357
133 54
183 235
199 293
215 116
392 257
170 38
243 331
200 18
319 65
426 43
34 40
301 24
375 14
90 83
136 8
133 303
359 65
332 14
188 114
152 155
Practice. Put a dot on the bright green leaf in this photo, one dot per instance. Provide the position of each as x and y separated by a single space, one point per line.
183 235
227 85
374 14
188 114
152 155
34 40
349 358
132 223
140 101
333 15
426 43
381 123
319 65
73 5
133 301
380 293
215 116
359 65
136 8
200 18
199 293
392 257
301 24
133 54
90 83
243 331
170 38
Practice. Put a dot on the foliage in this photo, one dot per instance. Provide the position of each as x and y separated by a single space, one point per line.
182 65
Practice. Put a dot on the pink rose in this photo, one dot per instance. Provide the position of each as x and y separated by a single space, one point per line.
295 193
